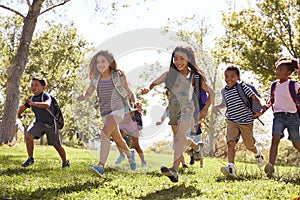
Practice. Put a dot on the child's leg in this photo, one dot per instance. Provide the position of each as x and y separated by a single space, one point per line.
62 153
136 144
109 128
296 145
29 144
231 151
274 148
180 140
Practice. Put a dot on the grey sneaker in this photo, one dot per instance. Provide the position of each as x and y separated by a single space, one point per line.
199 154
228 171
171 173
269 170
66 164
119 159
132 162
144 164
260 160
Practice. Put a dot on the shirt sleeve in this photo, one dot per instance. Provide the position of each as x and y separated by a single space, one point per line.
94 82
248 91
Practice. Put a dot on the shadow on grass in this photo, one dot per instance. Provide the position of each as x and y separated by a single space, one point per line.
49 193
174 192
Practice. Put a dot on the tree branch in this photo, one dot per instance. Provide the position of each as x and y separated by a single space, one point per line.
64 2
29 5
12 10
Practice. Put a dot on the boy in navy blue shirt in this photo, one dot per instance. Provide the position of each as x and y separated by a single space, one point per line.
44 123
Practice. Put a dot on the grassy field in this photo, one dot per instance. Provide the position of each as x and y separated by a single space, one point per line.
47 180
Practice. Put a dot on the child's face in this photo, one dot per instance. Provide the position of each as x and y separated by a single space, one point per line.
231 78
180 61
282 72
36 87
102 64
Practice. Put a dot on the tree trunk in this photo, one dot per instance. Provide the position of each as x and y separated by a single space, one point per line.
15 72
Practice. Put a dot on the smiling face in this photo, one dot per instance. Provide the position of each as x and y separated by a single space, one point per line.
231 78
181 61
282 72
102 64
36 87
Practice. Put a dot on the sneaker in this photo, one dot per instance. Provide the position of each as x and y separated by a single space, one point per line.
269 170
98 170
184 165
192 161
28 162
260 160
132 162
120 159
228 171
171 173
144 164
66 164
199 154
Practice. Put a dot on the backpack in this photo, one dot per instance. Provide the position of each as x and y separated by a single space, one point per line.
200 96
137 117
200 99
57 114
295 96
253 105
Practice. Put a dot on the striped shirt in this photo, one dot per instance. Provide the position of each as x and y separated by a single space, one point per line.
237 111
109 99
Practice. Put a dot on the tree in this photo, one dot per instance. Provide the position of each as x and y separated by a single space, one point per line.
17 63
256 37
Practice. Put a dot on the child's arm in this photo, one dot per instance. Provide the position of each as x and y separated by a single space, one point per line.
21 110
90 90
45 104
157 81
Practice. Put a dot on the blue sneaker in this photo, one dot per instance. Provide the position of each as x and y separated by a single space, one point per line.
132 162
119 159
28 162
98 170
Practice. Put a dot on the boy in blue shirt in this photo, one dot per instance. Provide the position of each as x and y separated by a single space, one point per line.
44 122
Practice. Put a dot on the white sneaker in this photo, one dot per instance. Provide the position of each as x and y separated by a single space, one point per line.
260 160
228 171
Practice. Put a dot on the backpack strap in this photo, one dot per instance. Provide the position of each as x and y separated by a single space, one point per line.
243 95
272 93
294 94
197 88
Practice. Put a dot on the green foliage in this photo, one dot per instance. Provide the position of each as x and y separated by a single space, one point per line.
256 37
47 180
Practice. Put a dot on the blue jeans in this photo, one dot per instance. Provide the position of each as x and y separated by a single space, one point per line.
290 121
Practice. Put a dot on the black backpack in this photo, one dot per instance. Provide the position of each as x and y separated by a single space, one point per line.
57 114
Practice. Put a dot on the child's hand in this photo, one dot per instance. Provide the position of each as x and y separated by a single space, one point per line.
257 114
217 110
144 91
158 123
81 97
29 101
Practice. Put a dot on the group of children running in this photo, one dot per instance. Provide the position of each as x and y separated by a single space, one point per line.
186 85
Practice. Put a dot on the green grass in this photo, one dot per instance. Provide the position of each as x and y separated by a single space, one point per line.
47 180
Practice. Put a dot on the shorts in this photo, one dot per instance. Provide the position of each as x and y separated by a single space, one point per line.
118 113
179 112
39 129
291 121
235 130
130 127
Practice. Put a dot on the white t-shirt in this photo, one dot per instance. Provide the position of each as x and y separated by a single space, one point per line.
283 101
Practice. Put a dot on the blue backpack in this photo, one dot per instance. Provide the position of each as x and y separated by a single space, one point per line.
295 96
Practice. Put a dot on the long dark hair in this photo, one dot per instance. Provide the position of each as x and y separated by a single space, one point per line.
173 71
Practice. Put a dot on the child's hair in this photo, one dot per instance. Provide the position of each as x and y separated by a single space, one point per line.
233 67
191 64
43 81
93 64
291 63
